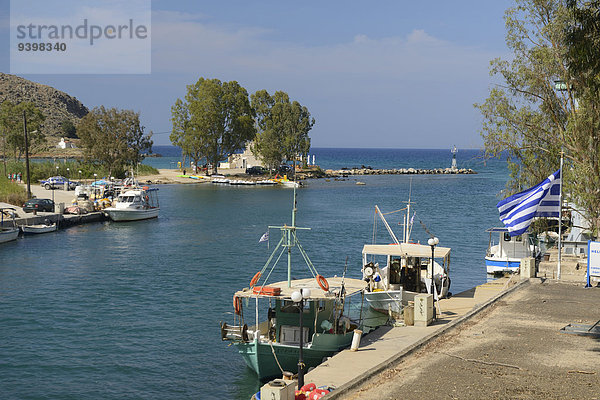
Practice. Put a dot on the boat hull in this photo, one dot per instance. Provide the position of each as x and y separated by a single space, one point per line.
495 265
36 229
7 235
120 215
385 301
259 356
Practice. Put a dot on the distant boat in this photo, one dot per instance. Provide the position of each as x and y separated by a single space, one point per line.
134 205
506 254
8 233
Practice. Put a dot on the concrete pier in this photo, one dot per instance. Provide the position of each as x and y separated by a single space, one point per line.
385 346
398 171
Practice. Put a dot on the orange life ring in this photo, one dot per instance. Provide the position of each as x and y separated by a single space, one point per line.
322 282
237 305
255 279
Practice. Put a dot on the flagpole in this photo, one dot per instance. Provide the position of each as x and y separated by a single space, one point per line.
560 197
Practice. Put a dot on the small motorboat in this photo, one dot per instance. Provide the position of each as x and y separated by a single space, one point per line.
10 232
506 254
47 226
134 205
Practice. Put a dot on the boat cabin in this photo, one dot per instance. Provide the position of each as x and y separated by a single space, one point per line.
517 247
406 266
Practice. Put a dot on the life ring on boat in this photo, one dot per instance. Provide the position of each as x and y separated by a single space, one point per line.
255 279
322 282
237 305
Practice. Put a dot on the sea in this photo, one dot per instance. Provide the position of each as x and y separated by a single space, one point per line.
132 310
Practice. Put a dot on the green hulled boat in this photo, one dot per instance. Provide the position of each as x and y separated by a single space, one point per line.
272 345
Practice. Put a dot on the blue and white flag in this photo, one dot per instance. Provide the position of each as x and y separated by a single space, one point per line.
264 237
542 200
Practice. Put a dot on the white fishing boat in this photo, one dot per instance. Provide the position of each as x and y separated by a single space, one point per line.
505 255
9 229
397 272
46 227
406 272
135 204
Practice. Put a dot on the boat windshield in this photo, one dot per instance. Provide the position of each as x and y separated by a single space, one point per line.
128 199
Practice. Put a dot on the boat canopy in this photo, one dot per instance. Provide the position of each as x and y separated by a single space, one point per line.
405 250
351 286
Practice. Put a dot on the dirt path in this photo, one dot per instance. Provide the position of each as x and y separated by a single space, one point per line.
512 351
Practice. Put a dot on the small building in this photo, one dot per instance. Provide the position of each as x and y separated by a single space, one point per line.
245 159
65 144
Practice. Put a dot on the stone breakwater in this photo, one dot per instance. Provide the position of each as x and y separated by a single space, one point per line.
399 171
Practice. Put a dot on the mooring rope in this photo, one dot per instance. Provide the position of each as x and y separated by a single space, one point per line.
275 355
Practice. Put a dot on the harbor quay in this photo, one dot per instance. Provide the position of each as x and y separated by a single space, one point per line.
501 339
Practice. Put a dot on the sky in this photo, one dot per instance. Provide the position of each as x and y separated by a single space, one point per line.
379 74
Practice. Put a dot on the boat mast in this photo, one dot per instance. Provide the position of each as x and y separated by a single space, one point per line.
378 211
289 240
408 230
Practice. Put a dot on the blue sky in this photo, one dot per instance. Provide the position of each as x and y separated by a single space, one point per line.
393 74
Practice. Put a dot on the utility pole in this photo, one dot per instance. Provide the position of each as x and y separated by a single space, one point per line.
26 156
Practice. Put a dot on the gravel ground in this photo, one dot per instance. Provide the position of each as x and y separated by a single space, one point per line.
513 350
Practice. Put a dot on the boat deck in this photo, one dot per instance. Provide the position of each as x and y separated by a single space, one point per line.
351 286
387 344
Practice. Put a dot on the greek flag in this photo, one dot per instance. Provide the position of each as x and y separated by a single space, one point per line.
264 237
542 200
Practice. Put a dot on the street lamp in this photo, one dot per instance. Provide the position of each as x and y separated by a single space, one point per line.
68 174
298 298
433 242
79 176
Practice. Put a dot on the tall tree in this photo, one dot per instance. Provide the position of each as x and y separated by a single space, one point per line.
541 107
283 128
11 127
114 138
213 122
583 61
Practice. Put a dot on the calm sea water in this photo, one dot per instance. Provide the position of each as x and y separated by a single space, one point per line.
132 310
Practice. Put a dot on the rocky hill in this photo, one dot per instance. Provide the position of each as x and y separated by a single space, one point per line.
57 106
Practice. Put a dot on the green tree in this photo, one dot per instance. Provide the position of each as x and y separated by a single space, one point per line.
213 121
11 128
283 128
545 105
114 138
68 129
583 141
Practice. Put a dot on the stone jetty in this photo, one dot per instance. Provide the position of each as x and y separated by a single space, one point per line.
398 171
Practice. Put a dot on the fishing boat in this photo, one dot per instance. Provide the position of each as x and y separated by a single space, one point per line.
505 255
9 230
135 204
46 227
275 343
397 272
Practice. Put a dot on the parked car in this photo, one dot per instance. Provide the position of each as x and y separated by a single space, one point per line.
38 205
255 170
284 169
58 182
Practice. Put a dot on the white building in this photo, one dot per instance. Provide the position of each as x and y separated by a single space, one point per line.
65 144
243 160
